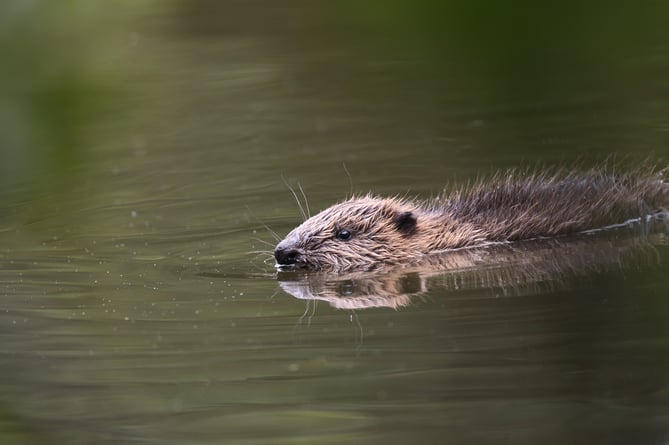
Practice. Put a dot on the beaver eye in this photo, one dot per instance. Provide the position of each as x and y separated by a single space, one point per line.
343 235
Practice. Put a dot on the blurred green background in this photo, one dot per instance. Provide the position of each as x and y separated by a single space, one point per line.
594 72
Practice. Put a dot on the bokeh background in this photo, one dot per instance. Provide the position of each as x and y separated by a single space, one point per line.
313 85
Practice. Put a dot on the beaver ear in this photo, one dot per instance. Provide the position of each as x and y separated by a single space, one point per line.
405 222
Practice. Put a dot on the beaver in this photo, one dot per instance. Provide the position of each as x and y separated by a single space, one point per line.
367 231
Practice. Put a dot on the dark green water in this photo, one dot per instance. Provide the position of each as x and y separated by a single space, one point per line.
145 149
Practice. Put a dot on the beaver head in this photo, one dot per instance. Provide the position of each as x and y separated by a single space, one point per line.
359 233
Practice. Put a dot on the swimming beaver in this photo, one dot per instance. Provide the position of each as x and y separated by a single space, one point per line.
367 231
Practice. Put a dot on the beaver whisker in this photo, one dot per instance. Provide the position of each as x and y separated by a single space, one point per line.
299 204
306 201
273 233
350 179
268 259
258 252
263 241
269 256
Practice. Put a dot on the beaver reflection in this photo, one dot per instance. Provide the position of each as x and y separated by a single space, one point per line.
510 269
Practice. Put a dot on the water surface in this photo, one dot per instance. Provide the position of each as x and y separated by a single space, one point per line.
139 302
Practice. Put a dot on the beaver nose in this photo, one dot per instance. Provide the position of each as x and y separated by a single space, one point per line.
286 255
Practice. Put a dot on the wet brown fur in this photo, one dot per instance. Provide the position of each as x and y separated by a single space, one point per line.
515 205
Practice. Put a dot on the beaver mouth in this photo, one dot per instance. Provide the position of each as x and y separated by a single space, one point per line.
291 259
292 267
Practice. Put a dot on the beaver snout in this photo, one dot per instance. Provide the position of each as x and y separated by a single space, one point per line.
285 255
